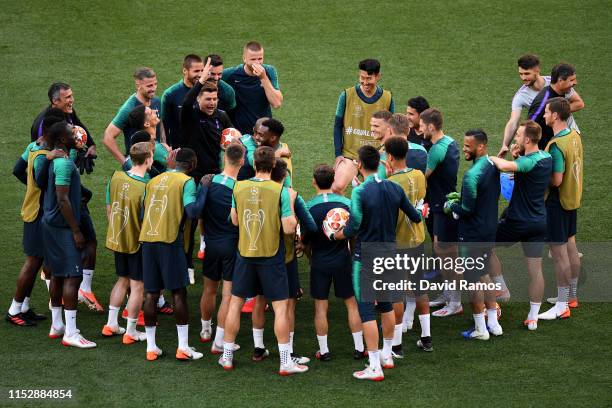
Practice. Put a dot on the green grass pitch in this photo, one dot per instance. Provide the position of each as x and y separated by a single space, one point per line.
460 55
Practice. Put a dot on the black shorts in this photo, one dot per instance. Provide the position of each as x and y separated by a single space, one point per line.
321 278
33 242
561 224
219 265
164 266
129 265
476 259
445 227
293 278
254 278
367 310
61 253
531 235
86 225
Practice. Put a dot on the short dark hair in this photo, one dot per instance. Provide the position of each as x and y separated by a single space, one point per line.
528 61
561 71
559 106
52 116
478 134
397 147
55 89
57 131
369 157
140 136
140 152
191 59
253 46
323 175
533 131
399 124
234 153
418 103
370 65
279 171
186 155
264 159
382 114
136 117
208 86
215 60
432 116
144 72
275 126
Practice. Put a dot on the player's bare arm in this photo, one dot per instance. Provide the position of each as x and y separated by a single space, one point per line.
275 96
509 132
65 208
111 134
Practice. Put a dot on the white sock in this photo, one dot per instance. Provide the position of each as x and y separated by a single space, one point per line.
183 336
70 316
387 344
48 283
479 322
358 340
323 344
131 326
455 298
492 317
500 281
25 306
408 318
150 331
15 307
562 298
572 295
202 243
534 310
87 279
397 335
113 315
206 324
425 328
291 334
285 353
161 301
374 357
258 338
219 333
56 317
228 351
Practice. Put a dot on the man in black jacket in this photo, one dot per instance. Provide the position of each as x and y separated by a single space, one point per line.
202 124
61 97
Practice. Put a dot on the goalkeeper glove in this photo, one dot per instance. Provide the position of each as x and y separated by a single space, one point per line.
453 196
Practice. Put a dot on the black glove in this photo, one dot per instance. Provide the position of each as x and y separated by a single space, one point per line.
89 163
80 161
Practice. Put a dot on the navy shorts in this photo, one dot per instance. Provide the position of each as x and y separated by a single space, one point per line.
164 266
531 235
561 224
415 276
444 227
219 263
321 278
61 254
86 225
476 259
367 310
33 242
252 278
129 265
293 278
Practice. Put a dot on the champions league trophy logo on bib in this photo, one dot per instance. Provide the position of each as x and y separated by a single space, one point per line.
253 223
157 207
119 216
